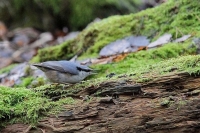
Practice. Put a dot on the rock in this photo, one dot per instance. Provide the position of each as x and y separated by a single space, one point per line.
69 36
182 39
2 76
5 62
19 41
125 45
31 33
196 44
13 77
138 41
117 47
166 38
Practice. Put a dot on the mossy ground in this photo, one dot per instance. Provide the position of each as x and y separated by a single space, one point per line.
144 59
25 105
176 17
28 105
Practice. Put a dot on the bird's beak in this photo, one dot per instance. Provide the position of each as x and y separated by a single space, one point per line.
94 71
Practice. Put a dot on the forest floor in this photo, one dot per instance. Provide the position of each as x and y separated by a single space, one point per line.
167 104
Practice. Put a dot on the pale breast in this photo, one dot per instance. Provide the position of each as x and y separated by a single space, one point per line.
57 77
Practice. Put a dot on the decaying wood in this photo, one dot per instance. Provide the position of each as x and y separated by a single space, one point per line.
167 104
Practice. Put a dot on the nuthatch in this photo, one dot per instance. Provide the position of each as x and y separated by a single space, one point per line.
64 71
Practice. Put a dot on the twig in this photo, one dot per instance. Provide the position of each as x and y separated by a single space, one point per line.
28 129
46 125
43 131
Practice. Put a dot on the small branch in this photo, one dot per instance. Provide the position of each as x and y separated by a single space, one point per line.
43 131
47 126
28 129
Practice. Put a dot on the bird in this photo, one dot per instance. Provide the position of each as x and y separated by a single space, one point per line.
64 71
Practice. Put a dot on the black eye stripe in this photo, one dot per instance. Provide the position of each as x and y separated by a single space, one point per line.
82 69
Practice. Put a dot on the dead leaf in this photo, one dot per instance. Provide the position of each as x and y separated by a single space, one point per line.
119 57
138 41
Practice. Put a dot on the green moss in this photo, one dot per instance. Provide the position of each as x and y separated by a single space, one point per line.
149 69
35 59
29 105
25 82
189 64
144 58
64 51
170 17
171 102
25 105
38 82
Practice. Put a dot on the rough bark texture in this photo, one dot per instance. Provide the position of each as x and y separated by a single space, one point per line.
167 104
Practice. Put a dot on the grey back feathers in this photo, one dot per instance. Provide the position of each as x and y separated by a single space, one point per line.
64 71
63 67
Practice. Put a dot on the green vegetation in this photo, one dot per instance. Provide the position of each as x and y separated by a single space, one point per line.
29 105
142 59
189 64
20 104
25 82
173 102
152 70
176 17
51 14
24 105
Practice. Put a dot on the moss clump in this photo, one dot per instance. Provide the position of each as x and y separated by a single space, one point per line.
144 58
170 17
189 64
24 105
148 70
39 81
25 82
64 51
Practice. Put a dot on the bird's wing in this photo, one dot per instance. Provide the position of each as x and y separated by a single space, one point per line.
59 66
84 68
74 67
69 67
